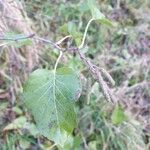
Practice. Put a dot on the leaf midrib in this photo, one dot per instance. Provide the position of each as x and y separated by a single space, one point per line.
54 96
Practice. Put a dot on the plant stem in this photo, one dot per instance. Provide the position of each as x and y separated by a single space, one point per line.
56 64
85 32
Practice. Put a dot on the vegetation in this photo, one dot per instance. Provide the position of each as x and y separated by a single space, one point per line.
75 75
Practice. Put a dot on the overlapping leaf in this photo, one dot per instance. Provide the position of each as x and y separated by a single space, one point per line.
50 97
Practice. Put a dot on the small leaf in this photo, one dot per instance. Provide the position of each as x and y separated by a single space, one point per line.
51 97
24 144
118 115
16 124
91 4
64 28
97 15
83 7
32 129
71 29
77 36
17 110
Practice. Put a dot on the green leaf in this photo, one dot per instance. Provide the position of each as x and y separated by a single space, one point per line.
17 110
107 22
32 129
97 15
24 144
91 4
118 115
71 28
64 28
72 143
51 97
16 124
83 7
77 36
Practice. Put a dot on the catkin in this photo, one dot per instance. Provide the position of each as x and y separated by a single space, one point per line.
104 87
108 76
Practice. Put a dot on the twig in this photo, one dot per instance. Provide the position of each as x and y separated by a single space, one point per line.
135 86
63 39
32 36
49 42
95 70
18 38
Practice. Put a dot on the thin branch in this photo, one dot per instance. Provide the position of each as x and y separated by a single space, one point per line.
18 38
63 39
137 85
32 36
49 42
95 70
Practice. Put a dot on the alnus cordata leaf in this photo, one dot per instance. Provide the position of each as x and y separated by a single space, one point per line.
97 15
50 97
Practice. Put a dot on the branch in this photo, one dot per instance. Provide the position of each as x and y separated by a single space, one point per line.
31 36
96 72
18 38
55 45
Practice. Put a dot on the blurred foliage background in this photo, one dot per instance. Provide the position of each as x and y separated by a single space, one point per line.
123 50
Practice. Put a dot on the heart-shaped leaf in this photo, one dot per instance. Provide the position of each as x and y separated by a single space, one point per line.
50 96
97 15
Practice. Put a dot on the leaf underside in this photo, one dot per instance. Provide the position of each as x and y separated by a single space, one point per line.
50 97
